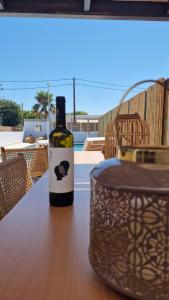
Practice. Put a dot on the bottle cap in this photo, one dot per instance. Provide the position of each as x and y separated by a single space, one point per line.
60 99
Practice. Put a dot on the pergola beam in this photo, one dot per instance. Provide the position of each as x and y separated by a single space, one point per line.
100 9
167 10
87 4
1 5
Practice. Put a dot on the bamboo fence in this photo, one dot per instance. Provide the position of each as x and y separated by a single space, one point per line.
153 106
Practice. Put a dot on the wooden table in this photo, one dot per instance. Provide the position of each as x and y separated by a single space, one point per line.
44 250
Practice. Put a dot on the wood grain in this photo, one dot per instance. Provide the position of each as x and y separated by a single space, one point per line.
44 250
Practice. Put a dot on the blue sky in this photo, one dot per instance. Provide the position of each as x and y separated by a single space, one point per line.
117 52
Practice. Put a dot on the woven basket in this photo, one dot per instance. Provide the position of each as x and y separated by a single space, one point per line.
129 227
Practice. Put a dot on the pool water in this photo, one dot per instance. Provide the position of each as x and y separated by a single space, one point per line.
78 147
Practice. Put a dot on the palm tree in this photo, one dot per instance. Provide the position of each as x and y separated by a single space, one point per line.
44 104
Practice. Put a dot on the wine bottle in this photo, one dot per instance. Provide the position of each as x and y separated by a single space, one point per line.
61 162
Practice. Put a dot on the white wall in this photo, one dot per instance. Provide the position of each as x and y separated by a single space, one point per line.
12 137
30 128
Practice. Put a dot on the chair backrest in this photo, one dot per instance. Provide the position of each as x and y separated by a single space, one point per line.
131 130
15 181
2 203
36 158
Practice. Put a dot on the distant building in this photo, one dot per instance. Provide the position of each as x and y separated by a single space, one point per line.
85 126
85 123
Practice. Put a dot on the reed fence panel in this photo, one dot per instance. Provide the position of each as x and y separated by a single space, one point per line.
137 104
153 106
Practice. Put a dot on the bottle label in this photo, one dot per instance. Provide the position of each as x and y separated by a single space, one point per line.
61 170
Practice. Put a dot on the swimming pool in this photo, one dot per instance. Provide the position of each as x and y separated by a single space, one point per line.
78 147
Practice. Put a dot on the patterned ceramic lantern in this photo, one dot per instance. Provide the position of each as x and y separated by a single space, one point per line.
129 227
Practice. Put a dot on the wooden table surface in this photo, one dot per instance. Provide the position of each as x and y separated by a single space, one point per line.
44 250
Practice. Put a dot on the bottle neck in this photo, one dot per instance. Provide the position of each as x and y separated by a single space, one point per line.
60 114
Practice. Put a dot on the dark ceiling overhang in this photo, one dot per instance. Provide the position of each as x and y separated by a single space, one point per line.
1 5
101 9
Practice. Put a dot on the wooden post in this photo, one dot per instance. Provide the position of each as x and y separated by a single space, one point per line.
165 125
74 101
22 115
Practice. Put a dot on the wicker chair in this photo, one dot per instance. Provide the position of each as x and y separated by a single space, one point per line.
131 131
36 158
15 181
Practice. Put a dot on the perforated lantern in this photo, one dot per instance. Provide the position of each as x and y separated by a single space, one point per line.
129 227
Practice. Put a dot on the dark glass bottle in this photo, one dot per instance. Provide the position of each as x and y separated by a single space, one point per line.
61 160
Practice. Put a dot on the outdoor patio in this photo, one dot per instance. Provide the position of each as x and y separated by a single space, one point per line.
113 242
